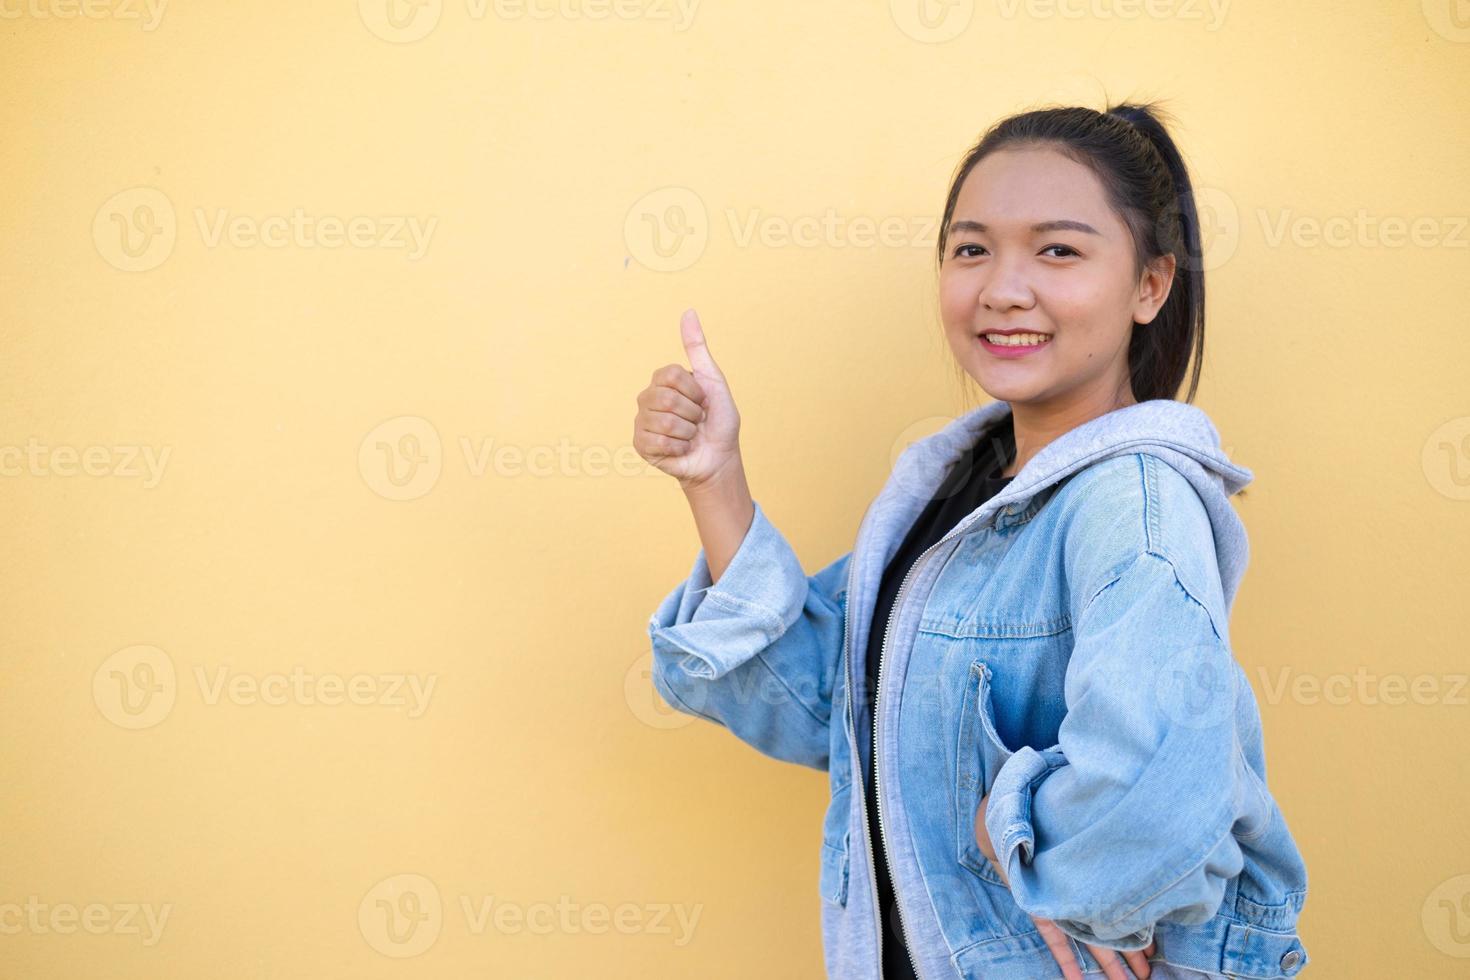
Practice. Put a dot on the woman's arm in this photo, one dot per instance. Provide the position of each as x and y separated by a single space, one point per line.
1130 819
749 640
723 510
759 651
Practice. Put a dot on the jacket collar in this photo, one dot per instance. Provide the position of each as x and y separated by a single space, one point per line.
1178 432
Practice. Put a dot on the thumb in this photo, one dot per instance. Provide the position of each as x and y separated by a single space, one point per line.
692 333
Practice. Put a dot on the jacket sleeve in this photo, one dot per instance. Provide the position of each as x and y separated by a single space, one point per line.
758 652
1129 820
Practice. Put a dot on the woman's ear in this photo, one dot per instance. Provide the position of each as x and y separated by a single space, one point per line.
1153 288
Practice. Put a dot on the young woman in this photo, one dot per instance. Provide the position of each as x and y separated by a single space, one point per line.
1042 755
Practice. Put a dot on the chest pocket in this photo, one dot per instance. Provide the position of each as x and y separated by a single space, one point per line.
1001 599
1002 584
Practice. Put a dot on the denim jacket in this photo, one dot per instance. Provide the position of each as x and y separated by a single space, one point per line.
1064 649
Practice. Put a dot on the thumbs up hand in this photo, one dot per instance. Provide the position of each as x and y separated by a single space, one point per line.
687 424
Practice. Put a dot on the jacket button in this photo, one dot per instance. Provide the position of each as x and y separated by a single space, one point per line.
1291 959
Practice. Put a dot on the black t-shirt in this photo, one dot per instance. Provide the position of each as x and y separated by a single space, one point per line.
973 479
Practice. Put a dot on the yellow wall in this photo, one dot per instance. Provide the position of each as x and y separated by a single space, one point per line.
269 544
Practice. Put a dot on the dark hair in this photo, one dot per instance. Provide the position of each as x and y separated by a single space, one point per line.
1148 185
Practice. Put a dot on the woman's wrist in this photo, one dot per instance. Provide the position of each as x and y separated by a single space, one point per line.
723 511
982 840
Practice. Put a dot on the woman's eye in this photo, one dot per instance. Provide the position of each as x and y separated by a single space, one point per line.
962 251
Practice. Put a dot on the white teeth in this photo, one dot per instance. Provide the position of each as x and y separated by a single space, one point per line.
1017 339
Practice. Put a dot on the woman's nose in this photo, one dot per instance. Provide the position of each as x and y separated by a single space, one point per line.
1006 288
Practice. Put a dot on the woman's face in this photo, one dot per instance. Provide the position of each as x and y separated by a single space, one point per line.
1008 265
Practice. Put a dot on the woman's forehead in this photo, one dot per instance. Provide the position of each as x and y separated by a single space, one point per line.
1011 190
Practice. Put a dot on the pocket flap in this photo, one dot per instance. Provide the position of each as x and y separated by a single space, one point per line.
834 873
979 754
1261 954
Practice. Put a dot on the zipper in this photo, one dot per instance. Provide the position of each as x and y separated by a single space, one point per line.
877 780
959 528
858 759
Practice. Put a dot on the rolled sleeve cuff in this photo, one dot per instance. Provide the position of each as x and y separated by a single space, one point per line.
1008 807
720 626
1012 833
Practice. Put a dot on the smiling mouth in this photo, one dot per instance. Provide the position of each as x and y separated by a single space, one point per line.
1016 339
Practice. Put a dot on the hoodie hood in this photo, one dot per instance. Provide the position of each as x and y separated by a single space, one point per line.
1180 434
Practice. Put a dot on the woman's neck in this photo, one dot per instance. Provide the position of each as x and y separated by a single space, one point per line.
1036 425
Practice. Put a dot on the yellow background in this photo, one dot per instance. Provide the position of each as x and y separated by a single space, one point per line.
587 179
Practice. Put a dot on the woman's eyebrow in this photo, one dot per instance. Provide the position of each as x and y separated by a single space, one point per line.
1060 224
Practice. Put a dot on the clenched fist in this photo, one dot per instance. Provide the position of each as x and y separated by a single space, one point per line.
687 425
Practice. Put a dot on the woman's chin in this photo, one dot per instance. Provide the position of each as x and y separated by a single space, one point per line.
1005 386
